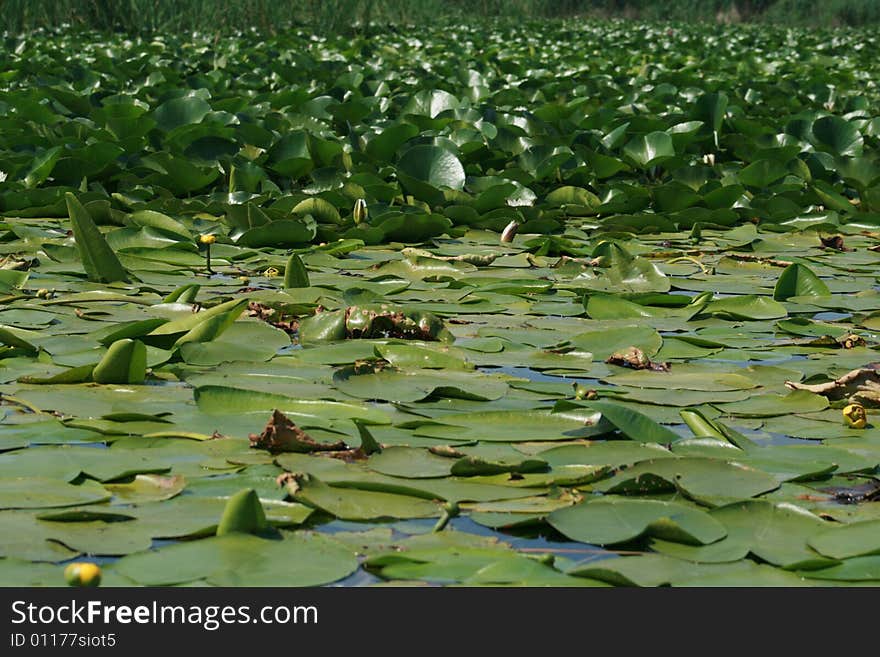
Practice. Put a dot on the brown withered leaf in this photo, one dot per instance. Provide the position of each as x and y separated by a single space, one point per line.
864 492
349 455
446 450
282 435
635 358
834 242
272 317
861 385
848 341
370 323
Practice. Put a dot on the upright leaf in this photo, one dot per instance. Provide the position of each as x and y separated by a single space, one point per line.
124 362
295 274
99 261
797 280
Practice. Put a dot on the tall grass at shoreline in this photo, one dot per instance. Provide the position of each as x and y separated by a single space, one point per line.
329 16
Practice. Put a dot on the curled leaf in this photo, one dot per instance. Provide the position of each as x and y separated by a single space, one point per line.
282 435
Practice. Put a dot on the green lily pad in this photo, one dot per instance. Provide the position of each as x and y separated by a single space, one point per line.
614 520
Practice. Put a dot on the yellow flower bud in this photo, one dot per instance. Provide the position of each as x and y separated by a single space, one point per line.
855 416
207 239
360 211
83 574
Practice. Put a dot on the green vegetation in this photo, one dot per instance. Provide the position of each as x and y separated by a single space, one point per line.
285 310
328 16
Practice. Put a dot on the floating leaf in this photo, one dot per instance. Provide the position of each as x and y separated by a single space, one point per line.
613 520
634 425
238 559
348 504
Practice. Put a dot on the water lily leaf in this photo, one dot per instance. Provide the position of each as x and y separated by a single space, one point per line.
711 108
609 307
191 320
797 401
682 379
705 479
133 329
634 425
602 343
241 559
426 356
430 103
620 271
350 504
177 112
42 493
99 261
762 173
433 165
750 574
162 222
651 149
410 462
295 274
219 400
383 146
246 340
322 327
279 234
776 533
13 338
797 280
146 488
615 453
42 167
653 570
805 462
857 569
124 362
410 227
515 426
470 566
311 559
746 307
243 513
568 195
11 280
608 521
855 540
837 135
209 329
412 385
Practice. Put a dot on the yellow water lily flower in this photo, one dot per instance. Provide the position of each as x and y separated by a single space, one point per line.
855 416
83 574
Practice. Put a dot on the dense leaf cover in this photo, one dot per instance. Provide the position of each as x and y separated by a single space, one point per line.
277 266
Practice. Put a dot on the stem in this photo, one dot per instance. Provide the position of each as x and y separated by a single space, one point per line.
442 522
24 404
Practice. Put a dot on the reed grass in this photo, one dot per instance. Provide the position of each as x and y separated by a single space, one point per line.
335 16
